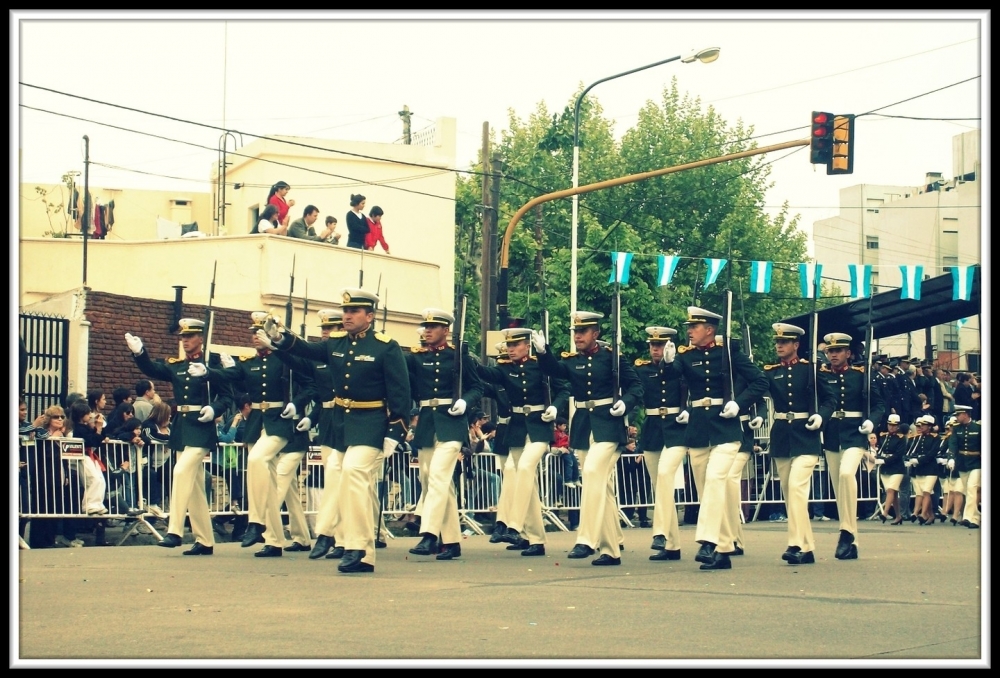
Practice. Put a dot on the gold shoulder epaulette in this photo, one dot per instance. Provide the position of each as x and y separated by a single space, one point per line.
610 350
683 349
639 362
338 334
771 367
534 357
568 354
418 349
803 360
504 361
175 360
244 358
900 435
859 368
384 338
451 345
825 368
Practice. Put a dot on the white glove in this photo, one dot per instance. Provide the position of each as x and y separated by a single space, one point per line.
197 370
669 352
289 412
866 427
227 360
814 422
942 461
264 339
756 423
457 409
538 341
910 463
951 464
550 414
272 329
388 446
134 343
207 414
303 425
618 409
732 409
683 417
879 462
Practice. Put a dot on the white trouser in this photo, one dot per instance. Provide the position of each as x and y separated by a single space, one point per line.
424 456
94 486
662 467
289 467
328 518
733 524
507 483
843 469
378 476
440 509
599 527
188 493
526 509
973 480
262 488
711 474
358 522
795 475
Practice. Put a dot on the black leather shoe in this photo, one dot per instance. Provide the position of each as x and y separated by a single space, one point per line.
513 537
580 551
844 546
705 553
534 550
170 541
737 551
352 563
790 551
801 558
666 555
850 553
336 554
659 543
427 547
720 561
519 546
972 526
379 544
296 546
268 552
450 552
605 559
646 523
253 535
499 530
964 523
321 547
199 550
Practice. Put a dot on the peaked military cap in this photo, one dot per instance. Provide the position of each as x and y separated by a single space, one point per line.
436 316
329 317
837 340
926 419
257 319
660 335
353 297
191 326
893 419
584 319
786 331
699 315
963 408
513 335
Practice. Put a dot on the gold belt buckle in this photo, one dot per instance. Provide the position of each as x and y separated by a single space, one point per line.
663 411
589 404
433 402
263 406
839 414
347 403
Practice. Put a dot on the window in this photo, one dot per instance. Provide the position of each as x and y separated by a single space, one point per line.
871 242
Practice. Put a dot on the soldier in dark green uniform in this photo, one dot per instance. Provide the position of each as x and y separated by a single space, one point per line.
795 439
505 465
192 432
598 427
662 439
442 428
534 404
965 450
714 432
372 400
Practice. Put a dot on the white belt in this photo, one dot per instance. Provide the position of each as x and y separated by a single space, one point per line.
265 406
503 420
591 404
841 414
705 402
789 416
661 411
329 403
527 409
184 409
744 417
434 402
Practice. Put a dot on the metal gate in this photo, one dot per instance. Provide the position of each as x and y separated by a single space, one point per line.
46 347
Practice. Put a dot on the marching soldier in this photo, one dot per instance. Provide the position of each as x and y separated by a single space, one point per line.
795 435
502 451
662 439
598 426
965 449
845 433
713 433
922 461
192 433
442 428
371 402
527 434
891 454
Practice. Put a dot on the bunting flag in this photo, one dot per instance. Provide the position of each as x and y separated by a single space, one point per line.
810 276
621 262
961 278
760 276
913 276
668 264
961 322
715 267
861 280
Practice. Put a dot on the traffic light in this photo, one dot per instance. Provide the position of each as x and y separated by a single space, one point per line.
842 159
821 140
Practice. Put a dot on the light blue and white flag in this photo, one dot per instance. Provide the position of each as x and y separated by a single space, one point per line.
621 262
961 322
861 280
715 267
760 276
913 276
810 276
961 278
668 264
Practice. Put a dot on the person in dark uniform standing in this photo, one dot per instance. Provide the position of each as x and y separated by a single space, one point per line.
891 454
372 401
713 433
598 426
845 433
442 428
922 461
795 435
527 434
964 456
662 439
505 465
192 433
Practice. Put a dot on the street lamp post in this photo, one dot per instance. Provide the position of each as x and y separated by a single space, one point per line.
706 56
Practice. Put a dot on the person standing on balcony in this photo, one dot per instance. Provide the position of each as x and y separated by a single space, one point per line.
357 223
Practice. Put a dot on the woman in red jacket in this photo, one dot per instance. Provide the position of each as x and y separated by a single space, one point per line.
276 197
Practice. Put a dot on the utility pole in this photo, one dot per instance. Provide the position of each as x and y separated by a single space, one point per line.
496 167
485 296
405 114
85 222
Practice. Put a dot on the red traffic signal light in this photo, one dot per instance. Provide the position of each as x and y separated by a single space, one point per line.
821 139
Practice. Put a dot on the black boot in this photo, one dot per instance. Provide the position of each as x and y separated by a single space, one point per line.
427 546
